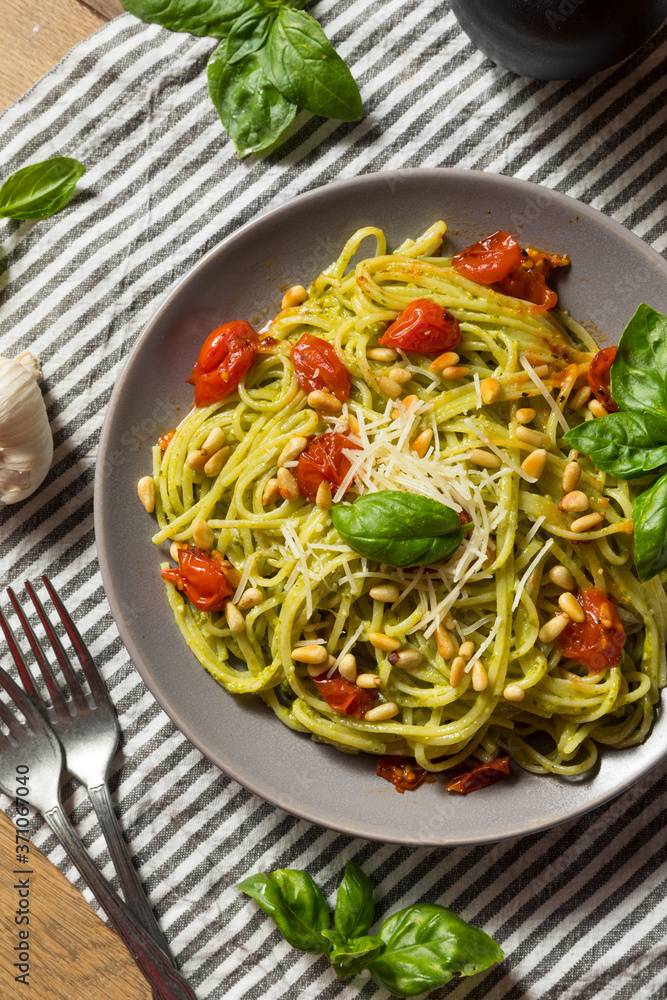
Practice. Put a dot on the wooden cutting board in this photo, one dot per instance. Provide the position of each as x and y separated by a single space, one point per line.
73 954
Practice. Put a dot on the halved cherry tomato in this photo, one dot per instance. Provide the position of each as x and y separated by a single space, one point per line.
223 361
345 696
597 643
425 328
492 259
403 772
200 577
481 776
317 366
528 280
599 380
323 459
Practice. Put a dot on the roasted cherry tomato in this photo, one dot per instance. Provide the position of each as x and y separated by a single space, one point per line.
492 259
164 439
599 378
480 776
344 696
200 577
317 366
425 328
225 358
597 643
323 459
403 772
528 280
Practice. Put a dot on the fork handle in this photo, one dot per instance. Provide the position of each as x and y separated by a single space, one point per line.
165 981
134 895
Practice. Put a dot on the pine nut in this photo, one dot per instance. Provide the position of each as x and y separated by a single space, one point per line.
325 402
294 296
586 522
530 436
213 442
384 642
597 409
271 492
347 667
553 628
368 681
533 464
605 615
353 424
196 460
315 669
480 678
146 491
202 534
579 398
381 712
455 371
525 414
231 574
292 450
387 592
310 654
484 458
456 671
445 360
444 643
422 442
331 661
235 619
174 549
449 621
406 404
571 476
386 354
400 375
388 387
466 650
561 576
250 599
217 461
491 390
571 606
514 692
287 485
323 496
574 501
407 659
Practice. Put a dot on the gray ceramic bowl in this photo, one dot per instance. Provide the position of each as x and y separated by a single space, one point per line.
612 272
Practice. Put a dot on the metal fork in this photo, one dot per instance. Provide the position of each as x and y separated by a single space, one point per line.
33 744
88 735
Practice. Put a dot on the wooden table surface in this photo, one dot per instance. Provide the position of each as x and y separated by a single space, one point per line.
74 955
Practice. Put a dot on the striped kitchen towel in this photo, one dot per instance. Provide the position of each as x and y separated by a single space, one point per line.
580 911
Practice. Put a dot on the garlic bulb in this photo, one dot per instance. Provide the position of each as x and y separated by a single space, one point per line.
26 445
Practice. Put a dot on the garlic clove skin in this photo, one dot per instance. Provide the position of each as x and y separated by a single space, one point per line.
26 444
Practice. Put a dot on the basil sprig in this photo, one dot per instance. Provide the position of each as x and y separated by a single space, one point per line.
633 442
420 948
399 529
272 60
40 190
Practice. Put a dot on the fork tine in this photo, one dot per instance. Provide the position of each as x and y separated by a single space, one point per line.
97 685
12 723
17 655
63 659
57 699
32 716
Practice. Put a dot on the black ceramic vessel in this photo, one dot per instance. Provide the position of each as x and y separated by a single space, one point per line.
559 39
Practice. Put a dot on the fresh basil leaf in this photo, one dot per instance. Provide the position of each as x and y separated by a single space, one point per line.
627 445
249 32
349 956
649 517
295 903
639 372
251 109
196 17
399 529
354 902
302 65
425 945
40 190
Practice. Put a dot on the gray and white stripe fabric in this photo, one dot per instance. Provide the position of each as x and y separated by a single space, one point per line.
581 911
